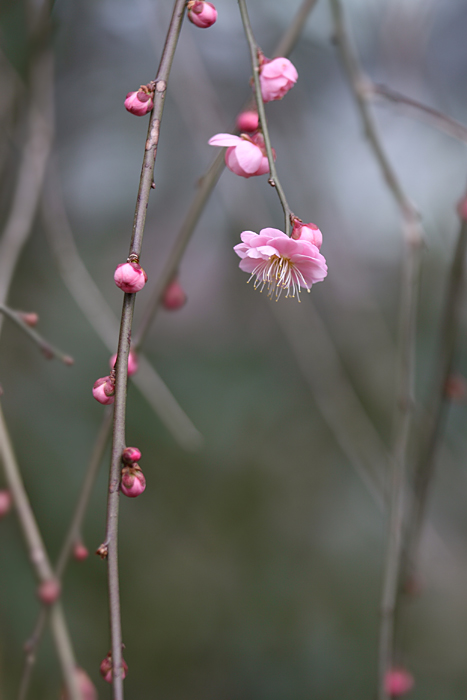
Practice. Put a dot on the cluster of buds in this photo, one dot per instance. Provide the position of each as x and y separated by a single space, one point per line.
141 101
106 668
132 482
130 277
201 13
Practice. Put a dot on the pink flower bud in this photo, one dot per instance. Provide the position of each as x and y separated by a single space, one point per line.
104 390
85 685
29 318
106 668
455 388
276 77
5 502
132 362
80 552
133 482
398 681
307 232
174 296
130 277
201 13
248 121
139 103
49 591
131 455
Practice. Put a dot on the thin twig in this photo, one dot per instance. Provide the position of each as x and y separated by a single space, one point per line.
408 305
205 187
38 557
431 116
48 350
97 311
436 415
273 179
71 538
121 368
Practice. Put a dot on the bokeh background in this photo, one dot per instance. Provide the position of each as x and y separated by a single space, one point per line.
251 568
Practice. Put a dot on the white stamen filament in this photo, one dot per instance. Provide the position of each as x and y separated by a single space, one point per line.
279 273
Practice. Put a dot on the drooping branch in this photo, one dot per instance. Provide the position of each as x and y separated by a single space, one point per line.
48 350
413 235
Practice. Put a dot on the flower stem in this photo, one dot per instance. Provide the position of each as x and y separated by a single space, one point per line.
48 350
408 306
38 557
273 179
121 367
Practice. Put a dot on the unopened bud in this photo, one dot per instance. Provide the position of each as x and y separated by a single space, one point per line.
104 390
132 482
80 552
202 14
130 277
130 455
139 102
306 232
248 121
174 296
85 685
398 681
5 502
132 362
29 318
103 551
49 591
455 387
106 668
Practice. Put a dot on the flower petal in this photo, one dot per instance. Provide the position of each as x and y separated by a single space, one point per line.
249 156
224 140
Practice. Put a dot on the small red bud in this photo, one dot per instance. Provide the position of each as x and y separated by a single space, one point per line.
5 502
398 681
104 390
139 102
174 296
202 14
130 277
80 552
132 362
106 668
248 121
49 591
130 455
132 482
29 318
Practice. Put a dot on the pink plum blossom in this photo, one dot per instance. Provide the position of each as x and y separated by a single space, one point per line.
132 482
280 262
139 102
307 232
130 277
398 681
245 155
104 390
174 296
248 121
132 362
202 14
276 77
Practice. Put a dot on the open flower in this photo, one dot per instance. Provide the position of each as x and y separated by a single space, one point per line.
245 155
280 262
276 77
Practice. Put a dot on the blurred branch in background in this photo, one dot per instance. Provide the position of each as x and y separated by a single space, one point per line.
38 558
408 310
95 308
71 537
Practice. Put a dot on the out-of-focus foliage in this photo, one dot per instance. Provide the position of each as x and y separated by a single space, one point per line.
251 569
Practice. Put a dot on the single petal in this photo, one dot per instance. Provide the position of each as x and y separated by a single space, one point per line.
225 140
232 163
273 233
249 156
248 265
247 236
267 251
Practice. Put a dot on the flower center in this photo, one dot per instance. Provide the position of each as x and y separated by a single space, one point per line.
279 273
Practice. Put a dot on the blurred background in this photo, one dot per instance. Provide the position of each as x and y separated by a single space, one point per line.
251 567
